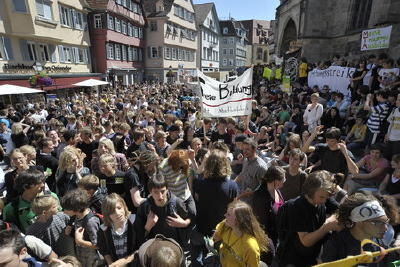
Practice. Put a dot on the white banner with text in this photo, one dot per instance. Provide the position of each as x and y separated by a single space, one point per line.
337 78
226 99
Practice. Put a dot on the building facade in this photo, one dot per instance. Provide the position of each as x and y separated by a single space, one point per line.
117 34
209 37
337 28
233 45
258 36
49 35
171 40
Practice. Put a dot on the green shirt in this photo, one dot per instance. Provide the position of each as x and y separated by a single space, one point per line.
283 116
26 216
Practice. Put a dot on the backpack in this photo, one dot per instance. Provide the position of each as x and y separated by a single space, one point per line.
91 215
284 225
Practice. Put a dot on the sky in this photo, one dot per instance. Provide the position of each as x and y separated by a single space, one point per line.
244 9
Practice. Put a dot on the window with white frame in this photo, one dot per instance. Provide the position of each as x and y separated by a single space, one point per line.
117 25
204 52
130 53
123 48
141 33
183 56
78 19
173 53
117 52
188 55
232 40
43 9
224 62
124 27
167 53
136 32
43 52
32 51
130 30
67 54
179 54
224 51
110 51
20 6
98 24
135 54
231 51
110 22
154 52
79 55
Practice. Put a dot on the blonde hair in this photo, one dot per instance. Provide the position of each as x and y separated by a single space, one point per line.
108 144
17 128
108 207
217 165
43 203
68 156
106 159
27 150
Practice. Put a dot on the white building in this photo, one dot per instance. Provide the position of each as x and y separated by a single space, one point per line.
209 37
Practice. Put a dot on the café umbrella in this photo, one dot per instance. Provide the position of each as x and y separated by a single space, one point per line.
90 83
9 89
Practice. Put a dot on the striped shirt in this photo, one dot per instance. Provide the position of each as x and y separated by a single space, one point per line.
120 242
177 181
377 117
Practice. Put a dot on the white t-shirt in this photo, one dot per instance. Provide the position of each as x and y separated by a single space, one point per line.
394 128
388 76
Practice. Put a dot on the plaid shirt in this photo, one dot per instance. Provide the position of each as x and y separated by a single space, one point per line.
120 242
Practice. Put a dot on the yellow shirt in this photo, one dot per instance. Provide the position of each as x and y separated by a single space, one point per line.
303 70
359 131
237 251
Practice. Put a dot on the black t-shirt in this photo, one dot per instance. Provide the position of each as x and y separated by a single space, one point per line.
88 150
226 138
304 217
331 160
120 183
339 246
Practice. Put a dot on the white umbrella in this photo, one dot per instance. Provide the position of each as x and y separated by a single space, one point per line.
90 83
8 89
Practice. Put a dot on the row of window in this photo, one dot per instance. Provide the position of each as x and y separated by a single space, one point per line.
130 5
118 25
180 31
171 53
231 62
210 37
210 54
123 52
32 51
71 17
241 52
183 13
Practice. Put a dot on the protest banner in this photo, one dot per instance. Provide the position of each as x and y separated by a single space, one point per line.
376 38
286 84
337 78
227 99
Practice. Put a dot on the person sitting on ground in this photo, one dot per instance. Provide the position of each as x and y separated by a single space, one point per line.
391 184
305 222
295 176
356 137
373 168
362 217
333 155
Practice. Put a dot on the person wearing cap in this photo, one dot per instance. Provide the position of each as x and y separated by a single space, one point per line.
313 113
362 217
173 135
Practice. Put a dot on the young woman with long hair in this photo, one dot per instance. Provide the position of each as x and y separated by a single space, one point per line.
242 238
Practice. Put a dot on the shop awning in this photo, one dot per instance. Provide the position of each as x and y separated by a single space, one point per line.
9 89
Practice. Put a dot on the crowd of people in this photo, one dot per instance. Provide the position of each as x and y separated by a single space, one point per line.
137 177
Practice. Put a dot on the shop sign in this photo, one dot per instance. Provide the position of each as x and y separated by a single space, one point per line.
15 68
